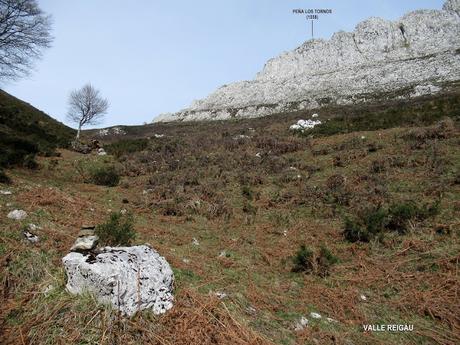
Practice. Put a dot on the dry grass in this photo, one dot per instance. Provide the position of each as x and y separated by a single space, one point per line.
250 215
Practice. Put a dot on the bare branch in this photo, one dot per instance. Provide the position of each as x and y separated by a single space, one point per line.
86 107
24 33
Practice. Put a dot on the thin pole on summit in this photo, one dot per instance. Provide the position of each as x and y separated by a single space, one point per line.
312 29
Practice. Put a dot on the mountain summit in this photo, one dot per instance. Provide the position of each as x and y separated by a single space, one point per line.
418 54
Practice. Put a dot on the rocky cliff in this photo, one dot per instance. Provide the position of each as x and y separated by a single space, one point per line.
416 55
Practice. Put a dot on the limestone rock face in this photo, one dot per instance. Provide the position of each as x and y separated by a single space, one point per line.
380 59
130 278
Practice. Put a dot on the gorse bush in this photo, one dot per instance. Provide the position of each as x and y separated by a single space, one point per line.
117 231
105 176
303 260
397 217
127 146
325 261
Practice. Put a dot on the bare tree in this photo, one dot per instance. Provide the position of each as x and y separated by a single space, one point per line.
24 33
86 107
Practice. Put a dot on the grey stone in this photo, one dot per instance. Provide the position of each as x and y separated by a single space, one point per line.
17 214
129 278
85 243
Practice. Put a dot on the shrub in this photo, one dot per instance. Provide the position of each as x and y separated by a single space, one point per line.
117 231
127 146
105 176
303 260
400 214
247 192
325 261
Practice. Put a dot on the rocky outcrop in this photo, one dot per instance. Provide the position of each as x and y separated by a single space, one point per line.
416 55
130 278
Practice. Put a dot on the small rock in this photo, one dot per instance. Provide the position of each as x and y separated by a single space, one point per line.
185 261
222 254
101 152
221 295
123 211
363 298
301 324
258 155
315 315
84 243
86 232
17 215
86 226
33 227
5 192
48 290
315 115
251 310
32 238
195 242
331 320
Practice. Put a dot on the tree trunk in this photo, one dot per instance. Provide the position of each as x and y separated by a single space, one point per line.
78 132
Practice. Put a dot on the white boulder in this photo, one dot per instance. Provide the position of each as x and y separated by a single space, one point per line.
130 278
17 214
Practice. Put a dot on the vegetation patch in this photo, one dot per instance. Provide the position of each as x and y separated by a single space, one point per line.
117 231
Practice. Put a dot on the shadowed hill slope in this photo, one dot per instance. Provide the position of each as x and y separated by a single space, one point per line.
26 131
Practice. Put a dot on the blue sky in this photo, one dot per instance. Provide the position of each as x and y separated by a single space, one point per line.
154 56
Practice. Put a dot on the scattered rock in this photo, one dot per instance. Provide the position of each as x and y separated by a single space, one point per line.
32 238
123 211
258 155
222 254
221 295
5 192
315 315
331 320
48 290
186 261
17 214
101 152
195 242
301 324
130 278
363 297
33 227
85 243
303 125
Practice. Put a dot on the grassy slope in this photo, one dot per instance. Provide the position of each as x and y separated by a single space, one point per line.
250 215
25 129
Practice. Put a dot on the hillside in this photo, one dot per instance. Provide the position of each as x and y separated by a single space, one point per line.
26 131
380 60
275 236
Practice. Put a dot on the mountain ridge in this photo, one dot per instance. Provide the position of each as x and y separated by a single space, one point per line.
415 55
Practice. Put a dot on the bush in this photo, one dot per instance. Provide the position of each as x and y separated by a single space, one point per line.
397 217
105 176
127 146
303 260
325 261
117 231
401 214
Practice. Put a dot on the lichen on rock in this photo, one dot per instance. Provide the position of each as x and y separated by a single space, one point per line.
130 278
